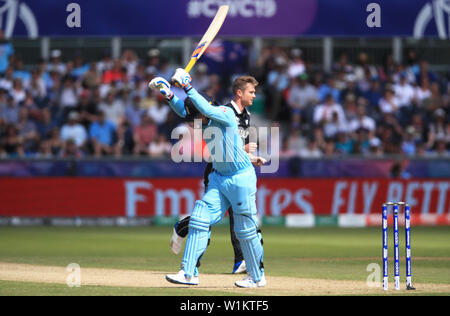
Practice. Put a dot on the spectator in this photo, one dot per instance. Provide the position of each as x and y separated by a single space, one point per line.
133 111
342 65
21 73
80 68
329 148
160 148
278 82
159 113
71 150
409 145
329 111
67 97
363 67
424 72
350 88
438 129
311 150
350 107
422 93
37 87
6 82
10 113
73 130
297 65
374 94
105 63
116 73
12 142
436 100
46 124
329 88
130 62
344 144
389 103
56 143
102 134
375 148
165 70
31 106
92 78
149 100
45 151
391 135
143 135
404 92
43 73
17 91
125 142
201 80
114 108
56 65
441 148
27 131
6 50
87 110
363 121
361 142
301 96
286 151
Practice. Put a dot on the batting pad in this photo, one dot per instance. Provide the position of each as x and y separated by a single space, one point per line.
252 249
198 236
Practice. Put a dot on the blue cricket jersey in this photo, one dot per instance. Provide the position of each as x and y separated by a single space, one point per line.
227 154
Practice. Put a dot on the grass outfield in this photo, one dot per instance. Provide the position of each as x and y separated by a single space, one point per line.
319 253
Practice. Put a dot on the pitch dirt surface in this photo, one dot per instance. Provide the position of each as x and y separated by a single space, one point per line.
209 282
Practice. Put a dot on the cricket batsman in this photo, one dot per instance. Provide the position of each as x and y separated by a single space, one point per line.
232 183
243 119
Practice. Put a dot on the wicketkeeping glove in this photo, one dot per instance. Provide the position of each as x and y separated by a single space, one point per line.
163 86
182 79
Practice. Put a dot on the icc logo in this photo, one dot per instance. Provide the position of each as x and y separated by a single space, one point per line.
13 10
440 11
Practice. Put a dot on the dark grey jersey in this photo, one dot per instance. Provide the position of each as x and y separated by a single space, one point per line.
243 121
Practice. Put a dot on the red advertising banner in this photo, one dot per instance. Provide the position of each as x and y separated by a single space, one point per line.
95 197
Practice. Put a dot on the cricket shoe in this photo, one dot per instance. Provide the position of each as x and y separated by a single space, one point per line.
248 282
181 278
239 267
176 242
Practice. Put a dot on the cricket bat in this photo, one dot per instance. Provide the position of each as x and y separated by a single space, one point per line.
209 36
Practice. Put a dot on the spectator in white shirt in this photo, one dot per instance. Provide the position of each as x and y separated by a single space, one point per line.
362 121
67 96
422 92
301 95
17 91
389 103
55 63
325 112
73 130
297 65
404 92
159 113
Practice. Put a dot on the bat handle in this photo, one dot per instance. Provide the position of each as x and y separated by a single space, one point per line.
191 64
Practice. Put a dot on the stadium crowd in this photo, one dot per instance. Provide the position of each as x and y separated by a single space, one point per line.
73 108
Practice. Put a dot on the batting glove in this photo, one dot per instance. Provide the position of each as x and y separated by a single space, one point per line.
163 86
182 79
